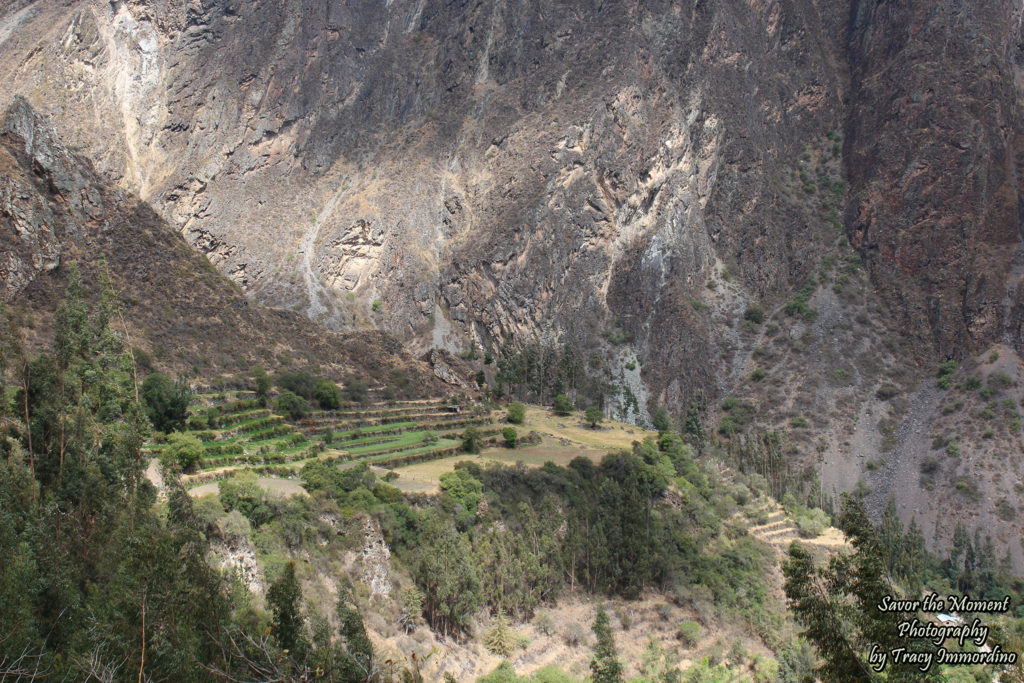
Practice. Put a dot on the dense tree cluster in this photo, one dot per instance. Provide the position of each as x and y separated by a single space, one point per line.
539 371
166 402
90 571
509 539
98 580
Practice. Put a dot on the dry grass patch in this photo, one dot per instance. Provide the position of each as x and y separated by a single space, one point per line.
609 435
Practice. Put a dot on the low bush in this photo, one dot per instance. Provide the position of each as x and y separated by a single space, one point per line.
689 632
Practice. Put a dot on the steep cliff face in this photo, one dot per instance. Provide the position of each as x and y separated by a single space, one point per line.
934 151
177 309
504 169
486 171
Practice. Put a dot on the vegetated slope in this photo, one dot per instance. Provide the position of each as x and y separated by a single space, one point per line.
177 309
501 170
626 179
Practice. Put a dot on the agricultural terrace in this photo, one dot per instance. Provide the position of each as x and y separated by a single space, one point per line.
242 435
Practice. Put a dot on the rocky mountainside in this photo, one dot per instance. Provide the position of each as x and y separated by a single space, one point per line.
631 178
179 313
504 169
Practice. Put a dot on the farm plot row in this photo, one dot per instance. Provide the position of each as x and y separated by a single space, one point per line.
251 436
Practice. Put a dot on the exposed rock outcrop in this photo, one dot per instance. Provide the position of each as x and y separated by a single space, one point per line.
57 210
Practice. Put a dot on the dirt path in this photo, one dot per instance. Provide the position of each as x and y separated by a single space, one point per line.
11 23
154 476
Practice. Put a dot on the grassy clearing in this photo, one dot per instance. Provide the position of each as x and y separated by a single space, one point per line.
272 485
547 450
428 474
610 435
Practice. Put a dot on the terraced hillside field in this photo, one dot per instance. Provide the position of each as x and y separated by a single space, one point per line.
237 434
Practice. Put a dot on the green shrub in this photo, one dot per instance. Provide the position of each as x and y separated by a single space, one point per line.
327 394
356 390
166 402
999 380
296 381
551 674
690 633
968 488
754 314
504 673
510 436
291 404
953 449
472 440
798 422
463 488
797 306
946 369
563 405
262 382
516 413
740 414
952 407
594 416
886 391
500 638
617 335
758 374
183 450
197 423
810 522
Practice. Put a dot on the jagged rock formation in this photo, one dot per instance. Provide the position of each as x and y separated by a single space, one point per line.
502 170
177 309
376 561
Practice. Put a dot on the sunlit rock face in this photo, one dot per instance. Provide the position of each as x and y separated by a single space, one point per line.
468 173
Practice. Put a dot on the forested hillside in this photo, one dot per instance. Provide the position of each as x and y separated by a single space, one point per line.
117 573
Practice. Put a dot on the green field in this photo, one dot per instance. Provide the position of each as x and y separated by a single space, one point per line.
380 434
393 435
